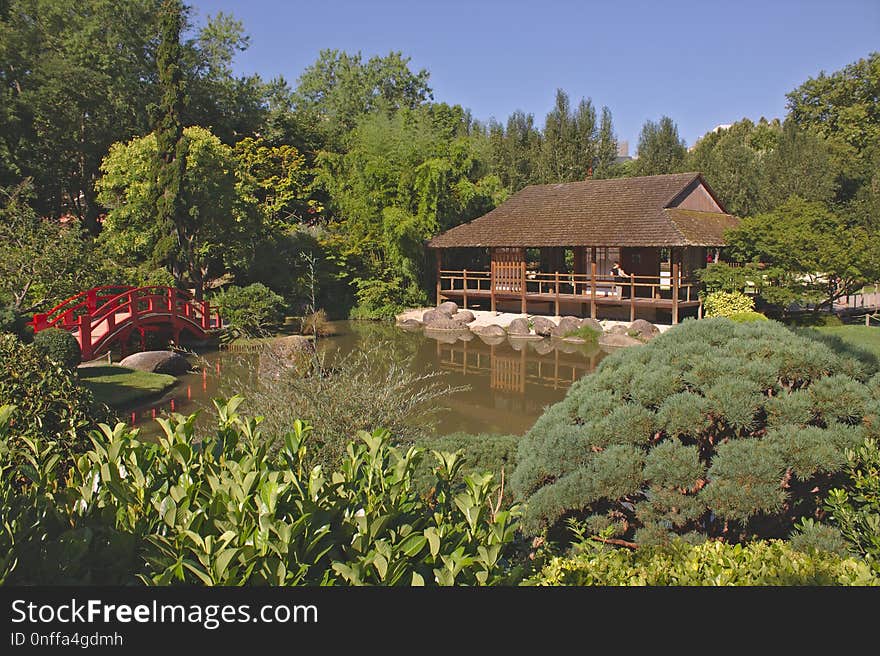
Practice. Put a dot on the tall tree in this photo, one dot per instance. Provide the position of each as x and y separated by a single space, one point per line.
339 88
606 149
660 150
844 108
570 144
174 227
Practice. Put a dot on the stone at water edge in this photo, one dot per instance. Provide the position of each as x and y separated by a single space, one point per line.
157 362
592 324
492 330
464 316
646 329
617 329
566 325
617 339
433 315
445 324
448 308
543 326
410 324
519 326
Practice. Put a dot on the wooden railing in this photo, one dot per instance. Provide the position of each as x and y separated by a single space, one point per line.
558 287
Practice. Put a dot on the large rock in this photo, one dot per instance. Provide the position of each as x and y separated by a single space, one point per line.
592 324
566 325
492 330
157 362
614 339
464 316
433 315
444 324
411 325
542 326
645 329
519 327
617 329
448 308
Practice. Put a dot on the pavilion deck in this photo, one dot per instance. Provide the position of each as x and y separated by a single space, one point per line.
670 293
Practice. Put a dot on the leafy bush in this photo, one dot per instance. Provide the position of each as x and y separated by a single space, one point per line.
586 333
715 428
223 510
380 299
725 304
251 311
746 317
854 509
51 404
712 563
59 346
13 322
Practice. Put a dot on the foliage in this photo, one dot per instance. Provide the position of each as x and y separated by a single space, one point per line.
42 261
50 403
251 311
382 300
747 316
660 150
316 324
843 108
711 563
588 334
59 346
810 254
222 510
340 394
721 429
484 452
854 509
725 304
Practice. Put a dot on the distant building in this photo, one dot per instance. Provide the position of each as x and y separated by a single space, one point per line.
622 152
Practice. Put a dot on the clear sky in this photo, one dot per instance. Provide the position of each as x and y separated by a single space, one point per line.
701 63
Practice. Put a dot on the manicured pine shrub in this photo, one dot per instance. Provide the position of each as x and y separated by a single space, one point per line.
725 430
250 311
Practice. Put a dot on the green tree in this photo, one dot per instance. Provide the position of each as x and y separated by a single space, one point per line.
514 150
811 254
214 223
339 88
844 108
42 260
606 149
569 149
660 150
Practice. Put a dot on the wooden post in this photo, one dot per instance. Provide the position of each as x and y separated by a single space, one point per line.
464 289
700 310
437 259
206 316
557 293
522 269
492 285
674 292
632 297
593 289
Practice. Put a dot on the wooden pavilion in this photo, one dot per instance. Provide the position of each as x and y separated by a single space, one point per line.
554 245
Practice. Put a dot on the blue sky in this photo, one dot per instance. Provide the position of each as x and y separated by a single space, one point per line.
701 63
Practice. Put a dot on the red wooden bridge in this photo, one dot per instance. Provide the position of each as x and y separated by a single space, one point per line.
104 316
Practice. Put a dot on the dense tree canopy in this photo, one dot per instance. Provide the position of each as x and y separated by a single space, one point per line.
660 150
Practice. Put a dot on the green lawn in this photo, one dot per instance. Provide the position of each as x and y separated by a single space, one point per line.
120 387
863 337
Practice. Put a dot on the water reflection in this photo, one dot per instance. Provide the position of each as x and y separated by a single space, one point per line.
510 381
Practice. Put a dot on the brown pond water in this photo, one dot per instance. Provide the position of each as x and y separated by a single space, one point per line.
509 383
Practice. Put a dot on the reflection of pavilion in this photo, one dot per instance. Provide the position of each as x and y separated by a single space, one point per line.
511 367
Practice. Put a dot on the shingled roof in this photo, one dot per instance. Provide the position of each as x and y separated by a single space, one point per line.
617 212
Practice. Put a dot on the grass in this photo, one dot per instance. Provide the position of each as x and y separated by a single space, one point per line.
120 387
866 338
585 333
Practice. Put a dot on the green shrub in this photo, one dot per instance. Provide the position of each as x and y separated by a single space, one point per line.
58 346
746 317
854 508
382 300
317 324
731 431
711 563
251 311
51 404
222 510
725 304
587 334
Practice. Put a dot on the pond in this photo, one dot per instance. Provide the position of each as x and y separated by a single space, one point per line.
509 384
